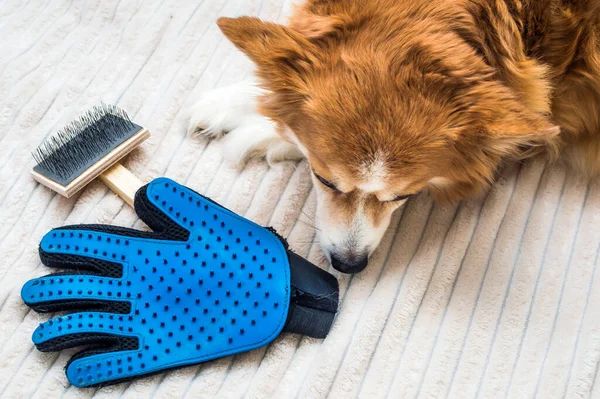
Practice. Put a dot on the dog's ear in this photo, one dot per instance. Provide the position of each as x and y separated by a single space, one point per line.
277 51
315 26
520 134
481 148
498 125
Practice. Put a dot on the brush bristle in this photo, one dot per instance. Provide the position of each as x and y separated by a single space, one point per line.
65 154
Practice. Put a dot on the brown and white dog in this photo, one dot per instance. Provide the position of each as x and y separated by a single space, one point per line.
388 98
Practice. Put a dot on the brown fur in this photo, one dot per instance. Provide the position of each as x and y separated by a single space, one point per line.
446 89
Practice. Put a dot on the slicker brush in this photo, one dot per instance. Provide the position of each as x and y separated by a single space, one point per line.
90 147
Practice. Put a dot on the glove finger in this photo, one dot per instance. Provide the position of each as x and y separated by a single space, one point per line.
162 207
109 365
77 292
103 334
176 210
86 251
80 329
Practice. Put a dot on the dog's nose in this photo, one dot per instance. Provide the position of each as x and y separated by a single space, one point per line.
350 266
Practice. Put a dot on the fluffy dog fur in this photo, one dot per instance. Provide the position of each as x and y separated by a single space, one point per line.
387 98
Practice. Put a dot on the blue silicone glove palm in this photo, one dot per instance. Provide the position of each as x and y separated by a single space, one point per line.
205 284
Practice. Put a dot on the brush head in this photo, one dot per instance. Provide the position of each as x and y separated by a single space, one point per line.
70 158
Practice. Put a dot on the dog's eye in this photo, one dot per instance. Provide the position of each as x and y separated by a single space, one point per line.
326 183
401 198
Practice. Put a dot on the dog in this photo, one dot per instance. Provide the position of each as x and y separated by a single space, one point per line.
390 98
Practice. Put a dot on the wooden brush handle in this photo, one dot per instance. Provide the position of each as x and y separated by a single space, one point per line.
122 182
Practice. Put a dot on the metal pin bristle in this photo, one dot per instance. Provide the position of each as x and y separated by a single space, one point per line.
68 152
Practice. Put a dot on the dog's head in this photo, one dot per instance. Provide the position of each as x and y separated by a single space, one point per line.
383 113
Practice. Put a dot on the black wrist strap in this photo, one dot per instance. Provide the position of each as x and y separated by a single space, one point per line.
313 300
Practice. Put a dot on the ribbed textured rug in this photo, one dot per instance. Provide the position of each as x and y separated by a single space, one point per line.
497 297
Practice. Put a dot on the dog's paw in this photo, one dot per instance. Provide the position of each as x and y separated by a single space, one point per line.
222 110
233 110
258 139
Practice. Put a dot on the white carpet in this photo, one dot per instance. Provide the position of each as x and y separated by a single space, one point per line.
490 298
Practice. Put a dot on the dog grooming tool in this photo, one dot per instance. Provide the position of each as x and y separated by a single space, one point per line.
90 147
206 283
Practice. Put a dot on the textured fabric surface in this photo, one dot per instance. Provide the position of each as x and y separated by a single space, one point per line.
498 297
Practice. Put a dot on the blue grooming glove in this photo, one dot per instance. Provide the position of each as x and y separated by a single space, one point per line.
205 284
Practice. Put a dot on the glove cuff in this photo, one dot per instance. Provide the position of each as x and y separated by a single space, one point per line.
313 301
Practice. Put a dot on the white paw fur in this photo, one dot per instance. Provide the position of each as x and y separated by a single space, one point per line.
232 112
